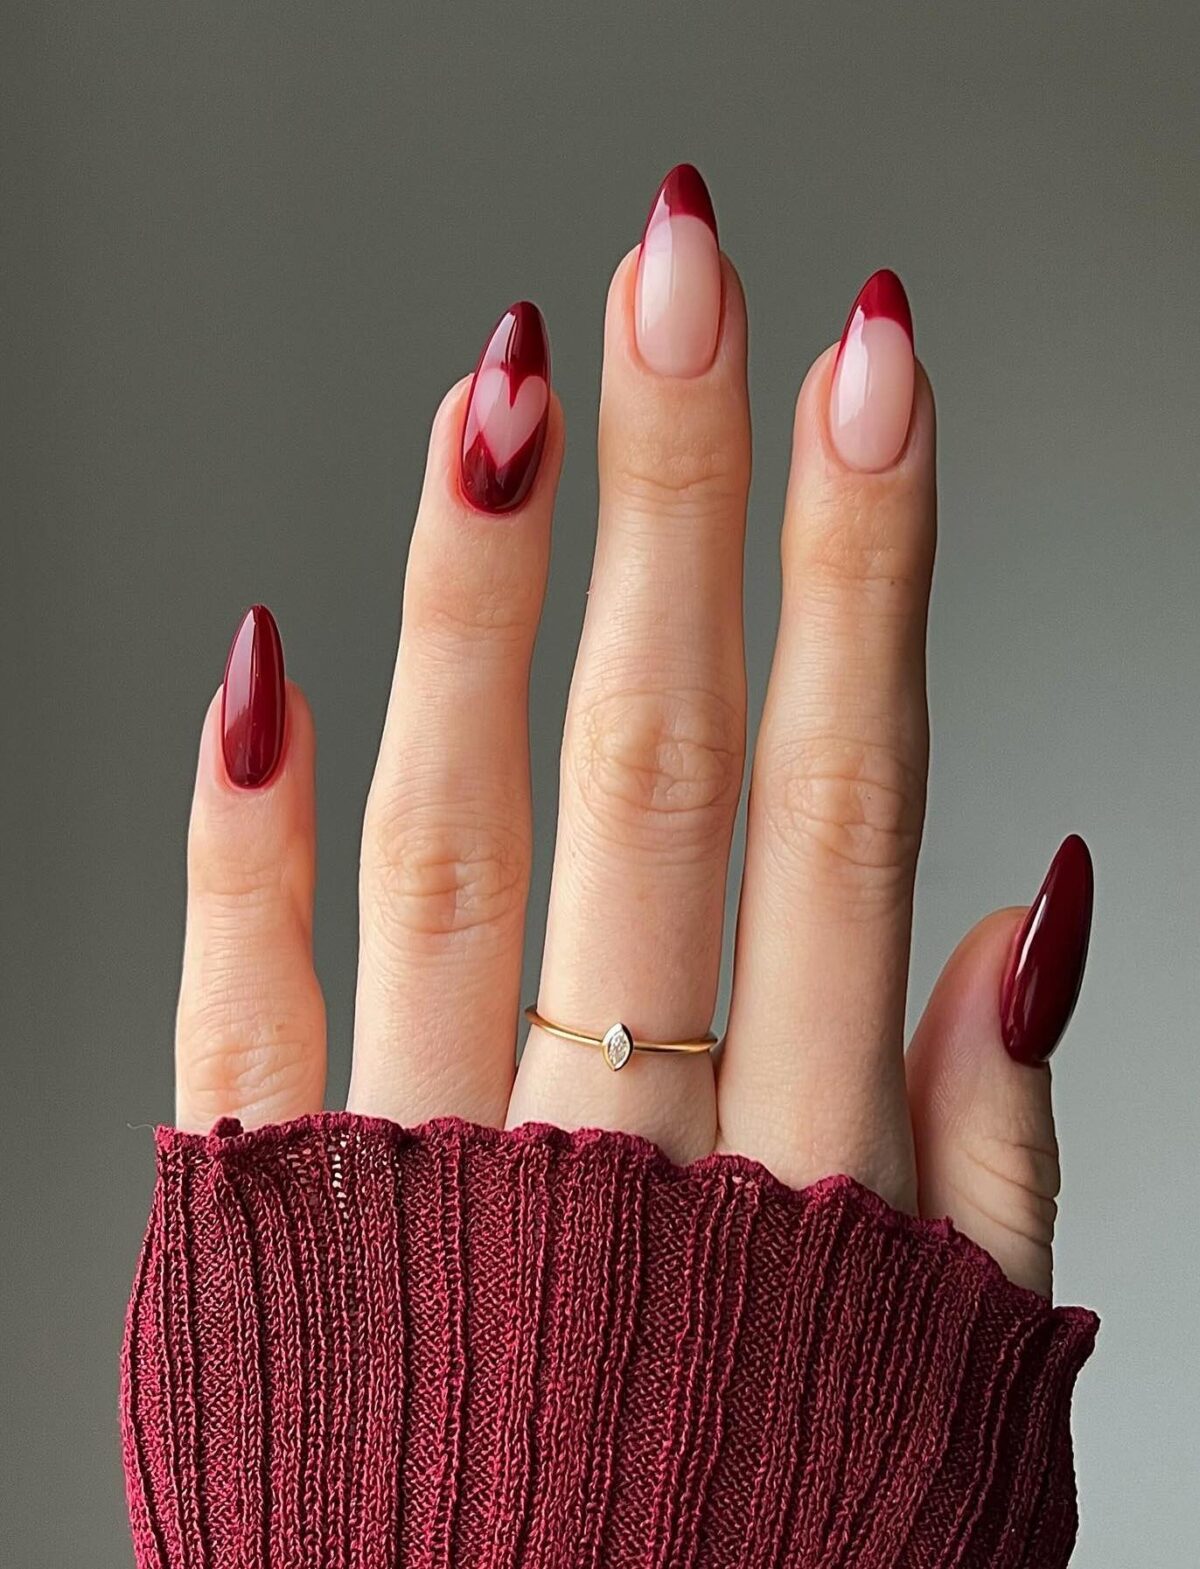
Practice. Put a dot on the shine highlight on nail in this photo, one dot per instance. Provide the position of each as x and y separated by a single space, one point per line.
253 701
1045 969
678 292
871 395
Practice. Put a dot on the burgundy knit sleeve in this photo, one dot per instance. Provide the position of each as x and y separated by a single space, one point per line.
351 1344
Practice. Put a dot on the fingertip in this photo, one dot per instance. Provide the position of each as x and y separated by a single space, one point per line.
983 1123
924 402
238 835
446 430
301 726
814 444
618 308
810 418
960 1029
297 749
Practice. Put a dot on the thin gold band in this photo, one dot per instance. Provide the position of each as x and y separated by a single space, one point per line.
617 1043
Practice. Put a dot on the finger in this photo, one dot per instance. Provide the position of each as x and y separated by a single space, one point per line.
986 1150
812 1077
652 754
447 834
250 1029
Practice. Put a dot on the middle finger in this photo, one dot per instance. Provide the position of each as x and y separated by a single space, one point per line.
655 731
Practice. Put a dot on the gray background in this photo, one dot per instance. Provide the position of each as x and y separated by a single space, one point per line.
245 249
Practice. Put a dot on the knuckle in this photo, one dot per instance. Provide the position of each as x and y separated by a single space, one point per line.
855 546
1014 1186
658 770
1023 1166
455 598
239 883
660 472
454 619
850 809
239 1053
234 883
437 879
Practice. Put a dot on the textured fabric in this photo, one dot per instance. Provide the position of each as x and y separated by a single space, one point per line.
352 1344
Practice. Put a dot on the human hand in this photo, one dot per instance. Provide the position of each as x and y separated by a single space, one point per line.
811 1077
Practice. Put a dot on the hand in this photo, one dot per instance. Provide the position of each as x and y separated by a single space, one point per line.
812 1076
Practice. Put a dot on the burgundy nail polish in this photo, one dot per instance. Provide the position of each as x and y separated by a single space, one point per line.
253 701
509 403
882 296
683 194
1045 970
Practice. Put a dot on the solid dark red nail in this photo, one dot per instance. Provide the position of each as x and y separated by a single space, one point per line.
1045 969
507 410
253 701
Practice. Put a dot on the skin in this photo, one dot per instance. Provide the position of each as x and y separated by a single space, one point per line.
812 1077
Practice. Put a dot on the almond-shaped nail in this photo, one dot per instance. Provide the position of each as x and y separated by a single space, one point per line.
253 701
1045 969
871 396
509 403
677 305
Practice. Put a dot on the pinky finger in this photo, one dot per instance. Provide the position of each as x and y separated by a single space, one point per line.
250 1030
979 1089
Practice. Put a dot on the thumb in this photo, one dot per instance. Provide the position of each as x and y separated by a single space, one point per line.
979 1090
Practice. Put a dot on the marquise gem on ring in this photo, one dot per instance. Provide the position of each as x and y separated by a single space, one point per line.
617 1046
618 1043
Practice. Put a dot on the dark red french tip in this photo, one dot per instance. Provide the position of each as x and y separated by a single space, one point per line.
1045 969
507 410
253 701
683 194
882 295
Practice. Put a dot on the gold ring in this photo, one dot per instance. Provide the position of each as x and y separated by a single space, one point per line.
617 1043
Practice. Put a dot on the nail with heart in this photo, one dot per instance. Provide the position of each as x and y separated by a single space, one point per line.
505 428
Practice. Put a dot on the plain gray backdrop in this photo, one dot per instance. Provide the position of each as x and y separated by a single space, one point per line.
247 247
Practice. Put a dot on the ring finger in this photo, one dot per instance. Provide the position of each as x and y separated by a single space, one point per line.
812 1077
654 740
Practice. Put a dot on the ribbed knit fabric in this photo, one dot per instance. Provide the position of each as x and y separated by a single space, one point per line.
354 1345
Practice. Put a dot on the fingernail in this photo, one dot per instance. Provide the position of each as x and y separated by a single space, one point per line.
678 296
871 399
1045 970
505 428
253 701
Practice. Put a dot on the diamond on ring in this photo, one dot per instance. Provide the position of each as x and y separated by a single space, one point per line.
617 1046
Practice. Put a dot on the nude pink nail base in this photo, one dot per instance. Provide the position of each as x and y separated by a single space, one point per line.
505 427
871 395
678 295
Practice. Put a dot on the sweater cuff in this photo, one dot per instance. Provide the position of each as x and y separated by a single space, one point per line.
353 1344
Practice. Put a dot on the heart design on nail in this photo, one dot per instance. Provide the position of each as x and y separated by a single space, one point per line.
507 422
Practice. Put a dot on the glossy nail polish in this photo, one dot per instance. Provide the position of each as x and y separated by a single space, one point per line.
505 427
253 701
677 306
1045 969
871 396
